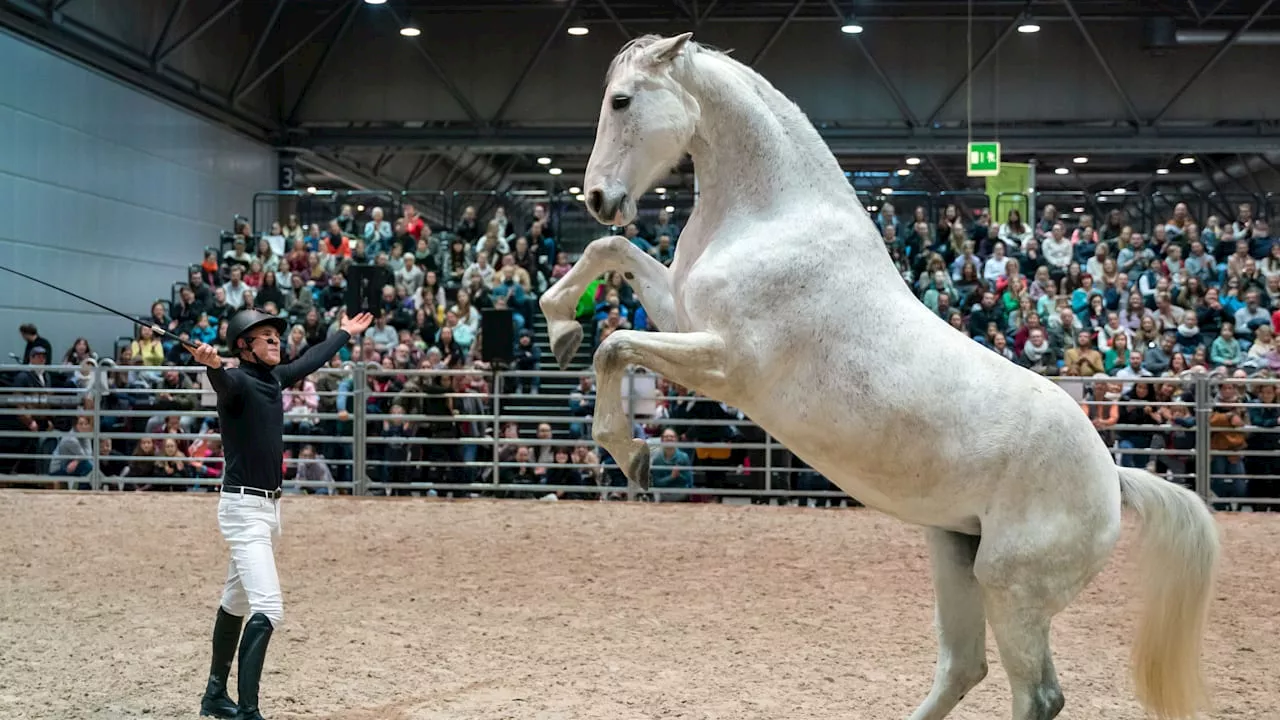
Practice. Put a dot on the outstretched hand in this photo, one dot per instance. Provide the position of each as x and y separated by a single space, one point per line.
206 355
355 326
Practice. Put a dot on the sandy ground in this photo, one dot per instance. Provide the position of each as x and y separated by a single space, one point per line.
435 610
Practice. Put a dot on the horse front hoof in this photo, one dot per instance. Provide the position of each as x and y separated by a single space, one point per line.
565 343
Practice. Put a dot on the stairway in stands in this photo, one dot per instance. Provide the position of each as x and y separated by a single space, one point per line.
556 390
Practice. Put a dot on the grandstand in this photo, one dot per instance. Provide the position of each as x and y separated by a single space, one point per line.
1158 289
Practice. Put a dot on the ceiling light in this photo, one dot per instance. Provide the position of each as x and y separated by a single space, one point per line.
544 161
1077 209
410 31
578 29
670 208
1060 171
1162 171
580 197
886 191
312 189
852 27
1119 191
360 208
375 2
660 190
575 190
1080 159
873 208
903 172
913 161
1028 24
555 171
1187 161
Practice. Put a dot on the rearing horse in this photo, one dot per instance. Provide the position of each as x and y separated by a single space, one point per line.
782 301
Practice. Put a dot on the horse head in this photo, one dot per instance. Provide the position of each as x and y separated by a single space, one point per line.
646 122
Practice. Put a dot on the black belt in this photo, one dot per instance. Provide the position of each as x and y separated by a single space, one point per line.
246 490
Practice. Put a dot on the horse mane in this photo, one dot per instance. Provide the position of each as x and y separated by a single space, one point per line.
634 47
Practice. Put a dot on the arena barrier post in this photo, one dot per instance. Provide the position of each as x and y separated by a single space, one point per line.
1204 409
359 469
496 389
95 391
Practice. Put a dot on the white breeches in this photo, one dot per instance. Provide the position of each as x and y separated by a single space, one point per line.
248 524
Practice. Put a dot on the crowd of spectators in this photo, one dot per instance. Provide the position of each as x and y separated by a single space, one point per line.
1061 296
1107 302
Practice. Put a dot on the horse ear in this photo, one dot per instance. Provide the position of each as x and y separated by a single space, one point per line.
665 50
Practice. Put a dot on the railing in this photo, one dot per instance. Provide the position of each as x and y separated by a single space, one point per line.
468 432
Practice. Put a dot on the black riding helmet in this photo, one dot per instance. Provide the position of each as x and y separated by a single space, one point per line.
247 319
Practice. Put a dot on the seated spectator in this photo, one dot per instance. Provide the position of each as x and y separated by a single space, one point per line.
384 336
312 468
73 455
1226 350
147 347
1157 359
1038 354
235 288
670 468
1084 359
1252 315
410 276
238 256
1057 250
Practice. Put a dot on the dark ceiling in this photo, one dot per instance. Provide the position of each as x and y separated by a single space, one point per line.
258 66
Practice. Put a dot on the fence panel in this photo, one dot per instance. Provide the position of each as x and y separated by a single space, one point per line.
528 434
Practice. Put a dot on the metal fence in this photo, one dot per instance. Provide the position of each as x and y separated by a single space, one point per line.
365 430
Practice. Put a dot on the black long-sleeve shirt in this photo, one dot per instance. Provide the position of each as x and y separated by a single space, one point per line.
251 416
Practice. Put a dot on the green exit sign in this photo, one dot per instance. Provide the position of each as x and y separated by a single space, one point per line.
984 159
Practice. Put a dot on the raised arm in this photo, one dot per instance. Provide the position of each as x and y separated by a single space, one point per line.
316 356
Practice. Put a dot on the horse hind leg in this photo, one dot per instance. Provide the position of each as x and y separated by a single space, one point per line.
960 621
1022 635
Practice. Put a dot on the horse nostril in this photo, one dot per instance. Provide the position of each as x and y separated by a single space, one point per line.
595 201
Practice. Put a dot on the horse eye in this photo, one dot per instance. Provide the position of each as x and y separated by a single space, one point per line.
620 102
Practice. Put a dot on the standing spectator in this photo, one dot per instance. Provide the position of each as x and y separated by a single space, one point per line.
32 337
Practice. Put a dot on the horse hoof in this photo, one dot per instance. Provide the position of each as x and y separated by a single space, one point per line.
565 344
638 467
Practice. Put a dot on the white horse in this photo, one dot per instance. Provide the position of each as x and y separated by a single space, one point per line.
782 301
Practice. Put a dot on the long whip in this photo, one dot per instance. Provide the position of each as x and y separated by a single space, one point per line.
154 327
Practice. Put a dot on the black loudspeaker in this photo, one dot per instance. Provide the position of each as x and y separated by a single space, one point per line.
498 335
364 288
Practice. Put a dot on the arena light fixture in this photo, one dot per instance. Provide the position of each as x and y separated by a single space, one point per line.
670 208
1077 209
544 160
1080 159
555 171
575 190
903 172
410 31
375 2
851 26
1119 191
359 208
660 190
577 29
886 191
913 160
1028 25
1187 160
312 189
1162 171
1061 171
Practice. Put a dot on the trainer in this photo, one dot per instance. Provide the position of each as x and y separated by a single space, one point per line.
251 420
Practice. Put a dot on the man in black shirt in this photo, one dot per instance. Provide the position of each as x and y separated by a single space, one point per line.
251 419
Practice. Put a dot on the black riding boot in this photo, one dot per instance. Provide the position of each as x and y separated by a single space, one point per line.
226 633
253 651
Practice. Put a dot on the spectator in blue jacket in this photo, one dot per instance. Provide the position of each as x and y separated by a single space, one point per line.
670 467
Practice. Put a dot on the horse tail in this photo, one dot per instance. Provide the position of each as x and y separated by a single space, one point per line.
1179 555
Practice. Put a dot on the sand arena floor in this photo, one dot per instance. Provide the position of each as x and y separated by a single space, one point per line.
435 610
